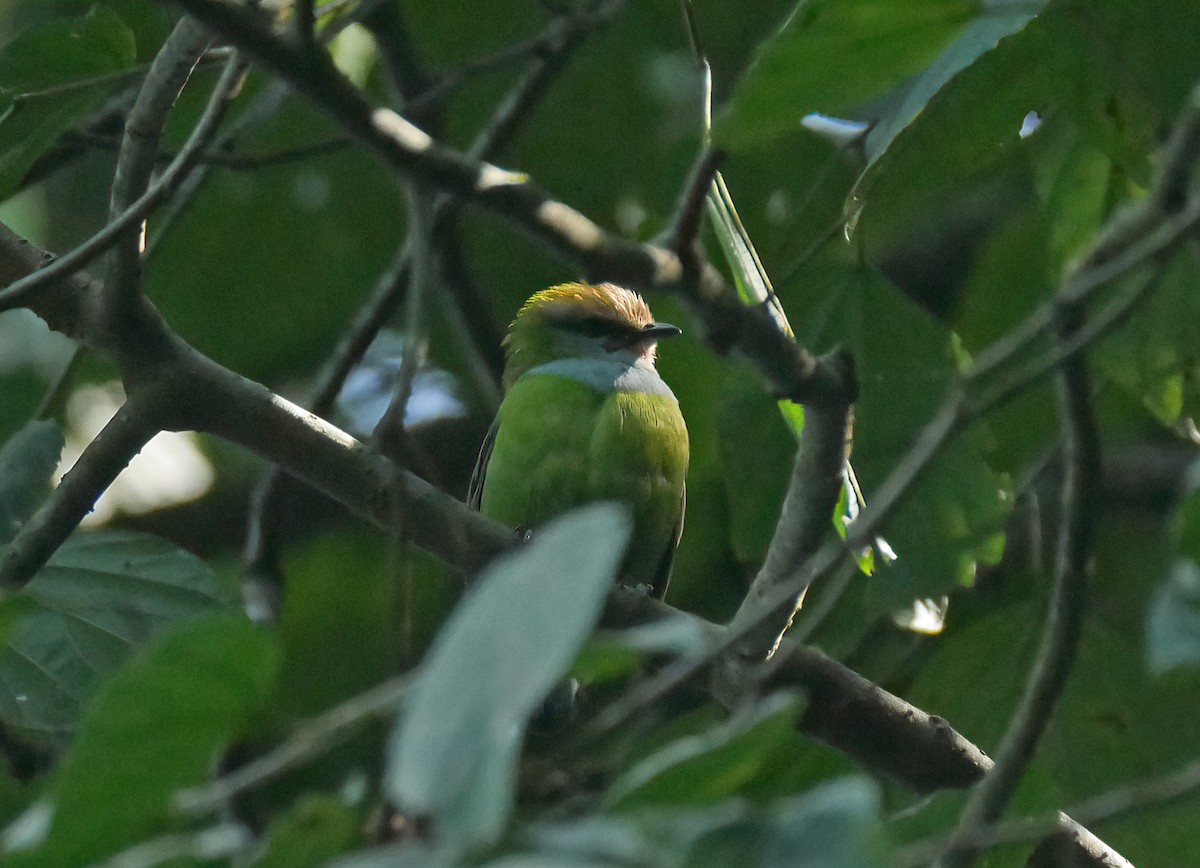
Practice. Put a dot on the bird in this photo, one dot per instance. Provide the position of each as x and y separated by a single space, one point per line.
586 417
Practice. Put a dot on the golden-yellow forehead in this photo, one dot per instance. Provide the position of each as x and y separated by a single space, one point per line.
578 300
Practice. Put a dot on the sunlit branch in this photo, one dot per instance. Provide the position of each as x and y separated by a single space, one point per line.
789 370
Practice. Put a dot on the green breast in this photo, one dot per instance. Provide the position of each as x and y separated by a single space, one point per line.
561 443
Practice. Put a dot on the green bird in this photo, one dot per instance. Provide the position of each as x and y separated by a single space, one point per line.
586 417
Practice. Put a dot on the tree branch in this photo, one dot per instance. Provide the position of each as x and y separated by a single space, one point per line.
261 543
805 523
102 461
789 370
1064 618
210 398
170 71
1115 804
308 741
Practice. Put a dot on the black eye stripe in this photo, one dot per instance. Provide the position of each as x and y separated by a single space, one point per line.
596 327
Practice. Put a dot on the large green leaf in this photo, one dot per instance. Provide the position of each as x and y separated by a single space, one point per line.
313 831
1111 708
906 363
834 825
52 77
157 726
704 768
1156 356
997 20
27 462
1080 68
756 451
100 596
833 55
453 754
65 53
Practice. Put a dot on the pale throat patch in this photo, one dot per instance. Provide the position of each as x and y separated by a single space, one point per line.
607 375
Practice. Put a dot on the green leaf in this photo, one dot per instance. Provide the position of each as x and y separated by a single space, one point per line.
906 363
157 726
1187 518
834 55
605 838
100 596
1156 356
1076 68
756 458
64 53
316 829
453 753
27 462
1075 182
52 77
613 654
541 860
334 580
1173 620
703 768
999 18
832 826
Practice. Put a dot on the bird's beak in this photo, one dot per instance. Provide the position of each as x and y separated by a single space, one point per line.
659 330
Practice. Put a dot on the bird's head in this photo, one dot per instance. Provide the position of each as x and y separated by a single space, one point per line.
582 321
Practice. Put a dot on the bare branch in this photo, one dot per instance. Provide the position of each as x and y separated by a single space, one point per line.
805 522
168 74
101 462
685 230
1115 804
844 710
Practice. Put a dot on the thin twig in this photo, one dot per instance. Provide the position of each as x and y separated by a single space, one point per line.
1064 618
1115 804
170 71
308 741
214 156
20 293
689 212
